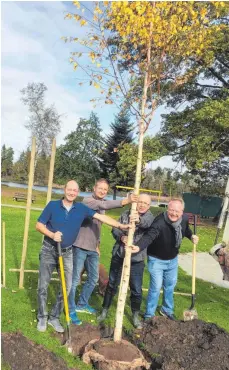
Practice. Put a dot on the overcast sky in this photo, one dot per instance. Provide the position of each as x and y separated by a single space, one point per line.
32 51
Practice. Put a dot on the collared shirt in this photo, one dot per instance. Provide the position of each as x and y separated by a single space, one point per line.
56 218
89 235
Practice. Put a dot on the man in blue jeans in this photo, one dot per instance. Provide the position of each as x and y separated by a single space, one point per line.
60 221
163 240
86 249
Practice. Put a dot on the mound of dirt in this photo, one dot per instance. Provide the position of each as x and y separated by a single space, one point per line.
178 345
22 354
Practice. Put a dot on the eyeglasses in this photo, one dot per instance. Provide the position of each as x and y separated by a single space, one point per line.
143 203
177 213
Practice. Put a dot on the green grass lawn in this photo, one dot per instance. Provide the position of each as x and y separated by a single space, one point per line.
19 306
8 194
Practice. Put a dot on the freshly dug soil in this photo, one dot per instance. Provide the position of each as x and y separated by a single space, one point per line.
178 345
81 335
116 351
22 354
166 344
112 356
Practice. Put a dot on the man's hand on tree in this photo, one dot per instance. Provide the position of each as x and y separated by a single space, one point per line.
132 198
134 248
134 217
124 239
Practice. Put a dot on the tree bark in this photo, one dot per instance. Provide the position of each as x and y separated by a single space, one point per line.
127 260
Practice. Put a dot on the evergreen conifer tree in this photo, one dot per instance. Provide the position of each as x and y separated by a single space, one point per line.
121 133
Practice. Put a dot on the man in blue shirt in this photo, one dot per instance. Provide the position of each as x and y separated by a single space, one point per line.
60 221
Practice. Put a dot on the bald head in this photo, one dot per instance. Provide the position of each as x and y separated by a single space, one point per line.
144 202
71 191
71 184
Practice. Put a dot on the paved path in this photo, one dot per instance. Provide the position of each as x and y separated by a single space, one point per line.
207 268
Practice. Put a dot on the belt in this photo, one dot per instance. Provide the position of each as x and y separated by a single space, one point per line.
66 249
52 243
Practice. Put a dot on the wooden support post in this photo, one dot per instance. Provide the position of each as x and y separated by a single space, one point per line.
3 254
33 271
27 216
51 171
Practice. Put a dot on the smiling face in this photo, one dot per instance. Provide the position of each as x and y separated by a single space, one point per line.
175 210
71 191
143 204
101 189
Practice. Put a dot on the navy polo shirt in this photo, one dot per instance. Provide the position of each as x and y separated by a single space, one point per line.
56 218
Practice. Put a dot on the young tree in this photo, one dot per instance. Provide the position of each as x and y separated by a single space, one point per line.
44 121
150 35
79 156
7 156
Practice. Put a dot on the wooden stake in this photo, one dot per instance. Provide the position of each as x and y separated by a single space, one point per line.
33 271
27 216
51 171
3 254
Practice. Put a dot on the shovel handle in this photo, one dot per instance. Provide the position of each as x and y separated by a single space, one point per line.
195 224
59 248
63 283
194 261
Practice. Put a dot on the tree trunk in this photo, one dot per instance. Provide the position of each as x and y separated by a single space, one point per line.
127 260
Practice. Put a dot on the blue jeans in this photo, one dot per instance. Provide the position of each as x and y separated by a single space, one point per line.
89 259
136 277
162 273
49 261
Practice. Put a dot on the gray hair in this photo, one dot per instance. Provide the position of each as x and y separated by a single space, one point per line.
177 200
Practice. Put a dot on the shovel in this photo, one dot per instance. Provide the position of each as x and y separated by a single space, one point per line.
191 313
63 283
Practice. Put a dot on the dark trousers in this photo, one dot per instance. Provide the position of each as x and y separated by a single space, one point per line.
136 277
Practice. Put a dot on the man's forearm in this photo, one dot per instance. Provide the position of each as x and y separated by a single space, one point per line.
43 230
107 220
125 201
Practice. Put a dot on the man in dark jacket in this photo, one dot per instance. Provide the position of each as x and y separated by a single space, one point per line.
137 260
163 241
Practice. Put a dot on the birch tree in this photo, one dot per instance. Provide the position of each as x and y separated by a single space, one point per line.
126 55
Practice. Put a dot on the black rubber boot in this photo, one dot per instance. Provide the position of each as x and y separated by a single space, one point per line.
103 314
136 321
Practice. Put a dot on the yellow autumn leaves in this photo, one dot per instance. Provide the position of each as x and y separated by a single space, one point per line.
183 27
163 30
